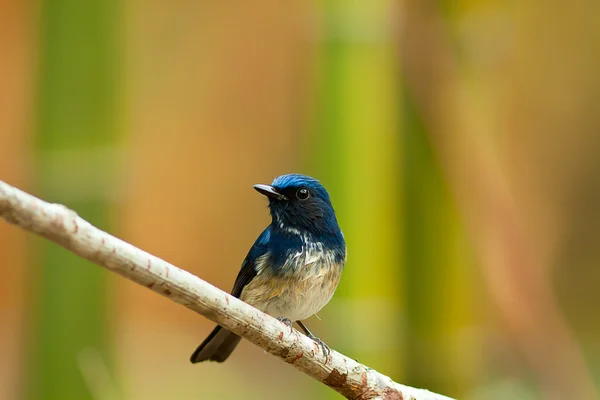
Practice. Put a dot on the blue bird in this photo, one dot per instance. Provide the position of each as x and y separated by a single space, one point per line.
293 268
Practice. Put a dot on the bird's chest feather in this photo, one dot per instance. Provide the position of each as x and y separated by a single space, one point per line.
297 284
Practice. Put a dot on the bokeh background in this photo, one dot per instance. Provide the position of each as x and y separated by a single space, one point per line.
458 139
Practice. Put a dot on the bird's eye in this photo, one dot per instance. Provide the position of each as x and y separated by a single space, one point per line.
303 193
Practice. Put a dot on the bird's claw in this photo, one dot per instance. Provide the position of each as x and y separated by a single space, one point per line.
286 321
326 350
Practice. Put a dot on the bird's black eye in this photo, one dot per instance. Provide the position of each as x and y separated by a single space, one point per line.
303 193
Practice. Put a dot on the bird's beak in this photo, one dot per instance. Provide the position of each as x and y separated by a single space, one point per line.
269 191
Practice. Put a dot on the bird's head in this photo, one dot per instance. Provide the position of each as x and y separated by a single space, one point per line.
300 203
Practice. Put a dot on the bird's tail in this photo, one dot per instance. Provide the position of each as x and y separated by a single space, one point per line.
216 347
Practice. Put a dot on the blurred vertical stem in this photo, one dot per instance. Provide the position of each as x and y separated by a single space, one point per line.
76 124
356 151
442 345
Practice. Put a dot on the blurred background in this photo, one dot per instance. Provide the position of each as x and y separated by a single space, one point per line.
458 139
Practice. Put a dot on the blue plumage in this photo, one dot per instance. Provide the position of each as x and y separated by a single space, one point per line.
294 266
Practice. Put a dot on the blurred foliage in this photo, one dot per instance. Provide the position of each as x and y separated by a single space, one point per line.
357 157
75 129
441 336
458 141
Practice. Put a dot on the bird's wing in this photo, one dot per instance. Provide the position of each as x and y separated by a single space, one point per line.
249 268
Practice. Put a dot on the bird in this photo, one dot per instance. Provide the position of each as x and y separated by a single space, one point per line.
293 268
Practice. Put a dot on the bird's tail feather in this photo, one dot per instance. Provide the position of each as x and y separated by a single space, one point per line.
216 347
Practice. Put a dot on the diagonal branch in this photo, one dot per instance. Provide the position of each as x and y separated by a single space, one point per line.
63 226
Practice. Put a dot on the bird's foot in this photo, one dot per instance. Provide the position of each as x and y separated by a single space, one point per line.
326 350
287 322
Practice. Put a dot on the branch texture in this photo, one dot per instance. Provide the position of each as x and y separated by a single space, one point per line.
64 227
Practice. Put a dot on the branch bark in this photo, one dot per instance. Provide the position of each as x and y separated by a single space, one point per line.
64 227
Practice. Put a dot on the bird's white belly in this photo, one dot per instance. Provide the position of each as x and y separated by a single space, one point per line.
297 294
302 300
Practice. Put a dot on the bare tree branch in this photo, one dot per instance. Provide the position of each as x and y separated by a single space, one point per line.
63 226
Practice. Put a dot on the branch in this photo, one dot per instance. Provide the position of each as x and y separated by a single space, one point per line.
64 227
